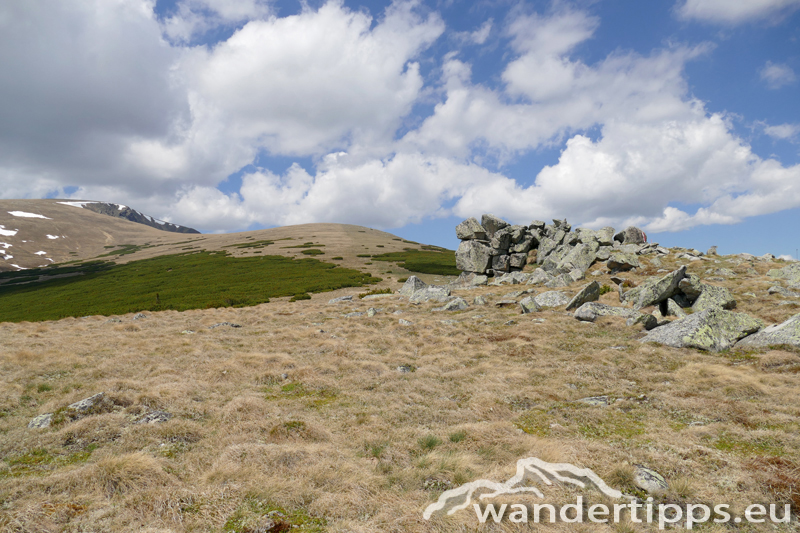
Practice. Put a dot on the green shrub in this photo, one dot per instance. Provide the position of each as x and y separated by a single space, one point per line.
604 289
185 281
376 291
430 261
312 251
337 258
429 442
301 296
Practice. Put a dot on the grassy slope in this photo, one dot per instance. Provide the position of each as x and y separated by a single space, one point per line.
178 282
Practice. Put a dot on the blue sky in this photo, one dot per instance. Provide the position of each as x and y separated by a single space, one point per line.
679 116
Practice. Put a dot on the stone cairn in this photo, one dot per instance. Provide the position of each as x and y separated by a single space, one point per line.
493 247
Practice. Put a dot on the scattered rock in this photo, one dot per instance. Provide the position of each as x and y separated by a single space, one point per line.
654 291
154 417
711 330
229 324
431 292
512 278
589 293
649 480
41 421
187 332
340 299
712 251
505 303
552 299
786 293
473 256
599 401
479 300
354 314
589 311
784 334
139 316
412 285
372 312
529 305
492 224
539 277
405 369
648 321
404 322
456 304
631 235
114 320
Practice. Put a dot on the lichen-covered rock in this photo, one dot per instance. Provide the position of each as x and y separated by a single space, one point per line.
546 246
786 293
539 277
467 280
492 224
580 258
554 258
622 261
605 236
604 253
589 293
784 334
654 290
412 285
456 304
473 256
645 319
691 286
500 263
517 260
552 299
711 330
501 240
631 235
512 278
431 292
562 280
649 480
529 305
714 297
470 229
41 421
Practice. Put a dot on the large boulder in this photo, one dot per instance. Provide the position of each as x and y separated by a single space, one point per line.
552 299
412 285
621 261
473 256
431 292
580 258
605 236
517 261
539 277
711 330
470 229
589 312
654 290
456 304
492 224
529 305
546 247
501 263
631 235
589 293
555 257
690 286
511 278
784 334
501 240
714 297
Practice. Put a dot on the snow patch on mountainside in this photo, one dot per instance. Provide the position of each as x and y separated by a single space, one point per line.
7 232
25 214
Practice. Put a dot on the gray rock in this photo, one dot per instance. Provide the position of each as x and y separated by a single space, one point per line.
539 277
589 293
479 300
500 263
354 314
649 480
597 401
412 285
552 299
656 262
404 322
784 334
85 405
621 261
506 303
470 229
546 247
518 260
511 278
41 421
647 320
223 324
139 316
786 293
562 280
473 256
469 280
529 305
589 311
580 258
691 286
492 224
372 312
604 253
712 251
377 296
456 304
714 297
654 290
501 240
431 292
154 417
605 236
711 330
344 298
537 224
631 235
527 243
670 307
576 274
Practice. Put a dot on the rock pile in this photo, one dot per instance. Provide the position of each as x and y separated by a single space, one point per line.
493 247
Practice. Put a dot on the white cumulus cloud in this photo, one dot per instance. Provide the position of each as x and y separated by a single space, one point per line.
734 11
777 75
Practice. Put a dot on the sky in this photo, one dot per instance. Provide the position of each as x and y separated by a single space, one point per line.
679 116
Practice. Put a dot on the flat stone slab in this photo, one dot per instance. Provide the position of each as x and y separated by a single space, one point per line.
552 299
784 334
711 330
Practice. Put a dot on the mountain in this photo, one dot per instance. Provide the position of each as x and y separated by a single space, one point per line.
125 212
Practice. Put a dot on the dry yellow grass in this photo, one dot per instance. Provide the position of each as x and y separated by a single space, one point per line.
305 412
